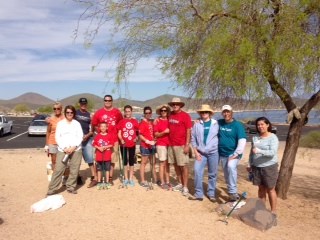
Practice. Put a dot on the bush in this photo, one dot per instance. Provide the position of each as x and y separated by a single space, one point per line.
311 140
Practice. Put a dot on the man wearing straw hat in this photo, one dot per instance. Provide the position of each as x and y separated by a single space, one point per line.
204 140
179 137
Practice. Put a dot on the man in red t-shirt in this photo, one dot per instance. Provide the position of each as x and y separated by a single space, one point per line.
127 134
179 136
112 117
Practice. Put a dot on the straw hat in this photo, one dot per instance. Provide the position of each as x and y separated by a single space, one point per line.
176 100
205 108
163 106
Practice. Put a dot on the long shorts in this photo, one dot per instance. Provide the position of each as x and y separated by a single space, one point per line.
103 166
53 148
177 156
87 151
128 153
266 176
147 151
162 153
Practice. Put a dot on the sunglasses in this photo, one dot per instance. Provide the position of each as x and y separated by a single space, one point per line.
175 104
107 100
148 113
69 112
163 110
205 112
56 108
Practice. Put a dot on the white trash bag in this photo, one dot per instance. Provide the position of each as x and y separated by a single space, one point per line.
51 202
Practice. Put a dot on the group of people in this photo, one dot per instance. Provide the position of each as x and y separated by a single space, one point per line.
75 134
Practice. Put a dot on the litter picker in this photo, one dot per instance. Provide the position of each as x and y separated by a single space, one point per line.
121 167
243 196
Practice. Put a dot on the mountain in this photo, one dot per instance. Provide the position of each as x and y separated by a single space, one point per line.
32 100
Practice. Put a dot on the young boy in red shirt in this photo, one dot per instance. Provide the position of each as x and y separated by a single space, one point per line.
103 143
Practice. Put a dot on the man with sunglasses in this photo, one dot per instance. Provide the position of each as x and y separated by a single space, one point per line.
112 117
179 137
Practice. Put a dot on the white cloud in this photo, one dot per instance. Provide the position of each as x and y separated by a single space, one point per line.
36 44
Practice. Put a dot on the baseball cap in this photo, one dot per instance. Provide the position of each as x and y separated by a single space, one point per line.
226 107
83 100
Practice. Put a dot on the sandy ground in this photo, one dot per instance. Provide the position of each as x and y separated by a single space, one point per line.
135 213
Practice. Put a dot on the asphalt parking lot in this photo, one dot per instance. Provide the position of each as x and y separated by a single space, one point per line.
19 137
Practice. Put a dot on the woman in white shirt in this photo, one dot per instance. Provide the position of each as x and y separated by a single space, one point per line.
68 136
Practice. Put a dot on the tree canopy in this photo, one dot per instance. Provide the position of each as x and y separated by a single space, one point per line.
249 49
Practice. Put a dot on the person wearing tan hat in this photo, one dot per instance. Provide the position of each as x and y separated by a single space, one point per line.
161 132
204 140
232 141
178 152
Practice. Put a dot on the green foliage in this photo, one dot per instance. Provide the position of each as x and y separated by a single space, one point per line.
45 109
21 108
311 140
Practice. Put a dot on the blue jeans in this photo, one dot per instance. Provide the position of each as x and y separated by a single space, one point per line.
87 151
230 173
212 161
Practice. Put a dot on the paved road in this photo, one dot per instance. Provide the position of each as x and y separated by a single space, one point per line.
19 137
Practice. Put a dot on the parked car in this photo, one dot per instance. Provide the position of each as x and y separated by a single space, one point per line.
37 127
5 125
250 127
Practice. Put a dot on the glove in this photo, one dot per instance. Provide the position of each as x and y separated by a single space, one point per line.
46 148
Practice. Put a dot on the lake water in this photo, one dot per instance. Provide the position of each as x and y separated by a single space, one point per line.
275 116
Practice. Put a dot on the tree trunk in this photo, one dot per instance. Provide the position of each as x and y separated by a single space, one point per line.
289 157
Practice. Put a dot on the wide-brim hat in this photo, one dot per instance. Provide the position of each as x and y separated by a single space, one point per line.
176 100
205 108
163 106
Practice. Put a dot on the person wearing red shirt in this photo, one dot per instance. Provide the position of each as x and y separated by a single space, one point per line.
103 143
161 132
179 136
112 117
147 144
127 134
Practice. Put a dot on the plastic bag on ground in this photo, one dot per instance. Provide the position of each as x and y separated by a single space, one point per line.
51 202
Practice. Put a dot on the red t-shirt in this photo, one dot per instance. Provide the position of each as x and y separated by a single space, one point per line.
128 128
103 140
159 127
111 117
178 125
146 130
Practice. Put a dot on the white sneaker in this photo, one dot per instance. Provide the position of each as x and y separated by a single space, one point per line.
185 192
177 188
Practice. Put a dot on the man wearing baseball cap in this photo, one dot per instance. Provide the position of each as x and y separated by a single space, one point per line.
232 141
84 118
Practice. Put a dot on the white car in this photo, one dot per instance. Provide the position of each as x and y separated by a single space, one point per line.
37 127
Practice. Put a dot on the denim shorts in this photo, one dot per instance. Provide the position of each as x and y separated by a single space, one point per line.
103 166
147 151
87 151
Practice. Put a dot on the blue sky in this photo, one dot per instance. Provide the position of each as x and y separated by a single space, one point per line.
39 54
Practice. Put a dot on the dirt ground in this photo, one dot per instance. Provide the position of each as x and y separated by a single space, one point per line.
135 213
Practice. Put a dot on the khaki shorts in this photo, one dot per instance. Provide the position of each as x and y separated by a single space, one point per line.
176 155
162 153
115 154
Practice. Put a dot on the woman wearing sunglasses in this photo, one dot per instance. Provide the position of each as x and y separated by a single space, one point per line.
69 136
147 145
51 144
